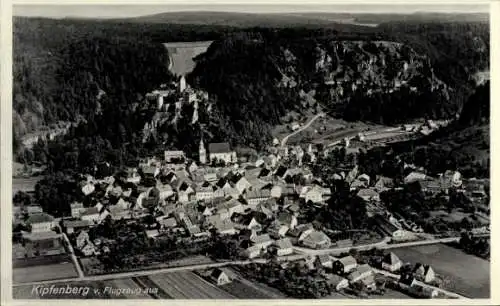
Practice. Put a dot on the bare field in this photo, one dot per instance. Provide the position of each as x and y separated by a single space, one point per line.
188 285
44 272
462 273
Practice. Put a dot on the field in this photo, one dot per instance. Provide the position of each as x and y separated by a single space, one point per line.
188 285
24 184
463 273
51 271
245 289
182 54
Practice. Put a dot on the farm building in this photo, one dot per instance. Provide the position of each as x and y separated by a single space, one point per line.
220 277
391 262
344 265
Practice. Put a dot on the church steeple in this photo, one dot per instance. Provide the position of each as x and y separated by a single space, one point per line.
202 152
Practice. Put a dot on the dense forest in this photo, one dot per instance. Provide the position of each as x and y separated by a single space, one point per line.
98 72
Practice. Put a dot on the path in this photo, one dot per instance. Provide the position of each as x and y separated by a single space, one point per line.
285 139
73 257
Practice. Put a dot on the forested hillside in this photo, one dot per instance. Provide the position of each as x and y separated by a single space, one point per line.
100 71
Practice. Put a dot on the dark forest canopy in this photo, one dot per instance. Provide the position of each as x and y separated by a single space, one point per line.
100 71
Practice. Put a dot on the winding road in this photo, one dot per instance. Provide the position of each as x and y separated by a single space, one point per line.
305 126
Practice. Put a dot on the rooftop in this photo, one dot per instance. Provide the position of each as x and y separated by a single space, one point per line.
219 147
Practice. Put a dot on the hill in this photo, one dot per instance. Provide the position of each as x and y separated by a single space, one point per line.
98 71
464 145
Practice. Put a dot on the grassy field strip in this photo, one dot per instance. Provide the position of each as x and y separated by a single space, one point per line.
187 285
44 272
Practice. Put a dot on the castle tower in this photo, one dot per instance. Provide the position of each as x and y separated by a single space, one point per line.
202 152
182 84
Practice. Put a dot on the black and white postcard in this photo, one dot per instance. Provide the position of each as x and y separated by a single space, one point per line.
250 152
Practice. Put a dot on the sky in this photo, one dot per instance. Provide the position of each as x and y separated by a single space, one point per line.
121 11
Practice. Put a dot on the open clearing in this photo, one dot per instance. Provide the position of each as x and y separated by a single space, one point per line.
188 285
181 55
463 273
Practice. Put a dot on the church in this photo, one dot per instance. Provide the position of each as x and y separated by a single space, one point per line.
220 151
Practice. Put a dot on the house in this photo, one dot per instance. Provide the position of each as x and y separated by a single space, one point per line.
424 273
224 226
88 249
166 191
210 177
344 265
253 252
150 171
91 214
76 209
368 195
88 188
359 273
133 176
336 282
276 191
220 277
82 239
118 212
33 209
153 233
255 197
168 223
174 156
424 292
300 230
387 228
277 231
414 177
314 194
41 222
261 240
391 262
283 247
75 225
316 240
384 183
358 184
250 223
205 193
407 280
221 152
242 185
324 261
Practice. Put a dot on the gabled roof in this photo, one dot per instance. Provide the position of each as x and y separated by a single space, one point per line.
260 238
216 273
40 217
324 258
256 194
316 236
347 261
219 147
367 192
391 259
284 243
76 223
